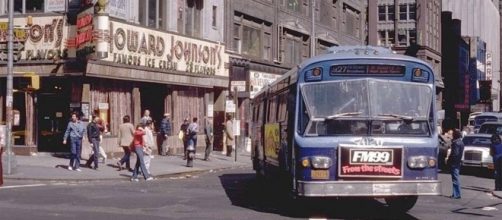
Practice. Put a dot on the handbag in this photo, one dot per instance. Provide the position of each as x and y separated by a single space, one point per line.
180 135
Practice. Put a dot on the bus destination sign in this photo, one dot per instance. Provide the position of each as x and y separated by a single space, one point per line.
367 69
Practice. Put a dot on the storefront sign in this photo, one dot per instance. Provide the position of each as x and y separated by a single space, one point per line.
84 37
357 161
55 5
258 80
210 110
230 106
489 60
239 85
38 38
138 46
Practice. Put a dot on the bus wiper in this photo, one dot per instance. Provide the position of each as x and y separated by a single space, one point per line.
331 117
402 117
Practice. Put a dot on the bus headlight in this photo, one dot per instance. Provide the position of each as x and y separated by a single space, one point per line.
420 162
321 162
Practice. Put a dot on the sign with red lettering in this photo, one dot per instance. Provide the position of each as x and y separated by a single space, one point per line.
364 161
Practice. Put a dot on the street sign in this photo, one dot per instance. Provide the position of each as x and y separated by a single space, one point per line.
230 106
240 85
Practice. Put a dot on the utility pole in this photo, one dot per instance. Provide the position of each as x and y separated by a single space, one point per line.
9 97
236 139
312 34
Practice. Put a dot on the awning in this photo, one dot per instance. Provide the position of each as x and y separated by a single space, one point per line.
109 70
41 69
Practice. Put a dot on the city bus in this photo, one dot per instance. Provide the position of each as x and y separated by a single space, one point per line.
354 122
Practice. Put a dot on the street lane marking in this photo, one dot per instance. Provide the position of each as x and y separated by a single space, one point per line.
22 186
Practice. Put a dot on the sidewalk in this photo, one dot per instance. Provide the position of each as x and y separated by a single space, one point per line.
50 167
497 194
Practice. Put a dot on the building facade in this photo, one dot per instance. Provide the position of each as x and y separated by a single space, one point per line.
401 24
265 38
111 60
482 19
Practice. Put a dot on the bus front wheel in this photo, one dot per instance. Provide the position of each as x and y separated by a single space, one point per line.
401 203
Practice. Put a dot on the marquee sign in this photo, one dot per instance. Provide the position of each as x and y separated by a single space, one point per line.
138 46
37 38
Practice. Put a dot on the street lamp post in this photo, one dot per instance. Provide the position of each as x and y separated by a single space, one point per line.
9 97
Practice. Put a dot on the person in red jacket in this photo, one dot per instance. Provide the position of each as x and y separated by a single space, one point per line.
137 145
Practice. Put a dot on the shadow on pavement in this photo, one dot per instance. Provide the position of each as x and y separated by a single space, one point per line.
245 191
477 172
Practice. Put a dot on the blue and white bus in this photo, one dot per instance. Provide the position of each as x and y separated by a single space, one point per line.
355 122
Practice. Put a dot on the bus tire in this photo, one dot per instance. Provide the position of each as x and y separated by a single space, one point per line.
401 203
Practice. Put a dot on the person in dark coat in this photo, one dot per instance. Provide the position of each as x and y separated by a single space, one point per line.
94 136
165 131
186 136
496 153
455 161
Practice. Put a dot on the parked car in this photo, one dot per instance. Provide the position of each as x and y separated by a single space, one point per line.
486 117
491 128
477 151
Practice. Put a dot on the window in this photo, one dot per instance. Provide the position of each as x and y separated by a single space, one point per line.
402 38
391 10
267 46
390 38
293 5
327 13
352 21
31 6
214 17
381 38
252 36
402 12
162 14
142 12
381 13
295 48
192 16
413 36
251 41
152 13
413 12
237 37
322 46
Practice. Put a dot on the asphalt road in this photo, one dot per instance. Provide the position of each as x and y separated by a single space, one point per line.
229 194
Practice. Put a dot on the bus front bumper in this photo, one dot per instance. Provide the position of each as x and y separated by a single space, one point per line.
367 188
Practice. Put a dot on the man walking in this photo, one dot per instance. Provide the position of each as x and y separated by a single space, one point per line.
454 161
193 130
93 134
126 134
208 132
75 130
146 117
165 131
229 135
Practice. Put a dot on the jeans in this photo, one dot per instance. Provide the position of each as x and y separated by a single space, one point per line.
76 150
140 162
455 179
498 174
95 148
209 147
127 157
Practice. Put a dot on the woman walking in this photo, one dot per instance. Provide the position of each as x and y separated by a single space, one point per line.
454 161
126 134
138 145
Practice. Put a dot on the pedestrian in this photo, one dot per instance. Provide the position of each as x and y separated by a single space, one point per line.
146 117
184 138
455 161
496 153
75 131
137 147
125 137
165 131
149 145
208 133
94 136
229 135
193 130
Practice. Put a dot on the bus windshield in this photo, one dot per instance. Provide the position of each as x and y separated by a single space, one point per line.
367 106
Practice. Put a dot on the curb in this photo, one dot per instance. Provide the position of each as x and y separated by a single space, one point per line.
124 178
497 194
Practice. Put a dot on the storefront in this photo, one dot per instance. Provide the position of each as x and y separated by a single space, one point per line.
41 81
130 69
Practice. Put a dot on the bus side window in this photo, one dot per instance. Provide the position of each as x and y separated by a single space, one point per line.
272 110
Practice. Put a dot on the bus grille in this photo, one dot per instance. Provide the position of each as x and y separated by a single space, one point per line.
472 155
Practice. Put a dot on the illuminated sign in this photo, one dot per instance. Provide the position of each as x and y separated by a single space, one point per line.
357 161
367 69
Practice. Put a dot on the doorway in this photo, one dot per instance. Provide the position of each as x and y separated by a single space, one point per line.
53 101
152 98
